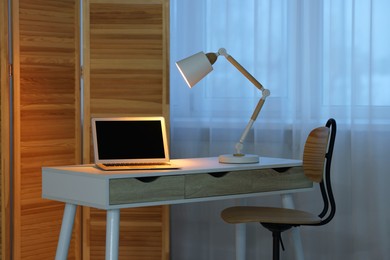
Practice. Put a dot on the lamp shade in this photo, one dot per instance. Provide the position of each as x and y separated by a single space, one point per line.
194 68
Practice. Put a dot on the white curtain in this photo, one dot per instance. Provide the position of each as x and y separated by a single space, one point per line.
319 59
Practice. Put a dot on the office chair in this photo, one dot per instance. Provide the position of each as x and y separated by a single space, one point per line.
317 153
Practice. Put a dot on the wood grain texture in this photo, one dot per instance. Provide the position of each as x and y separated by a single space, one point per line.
126 74
126 57
314 153
124 191
240 182
141 232
46 119
4 121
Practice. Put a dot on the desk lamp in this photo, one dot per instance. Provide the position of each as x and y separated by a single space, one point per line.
196 67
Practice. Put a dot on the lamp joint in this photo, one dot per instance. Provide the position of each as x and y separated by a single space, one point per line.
212 57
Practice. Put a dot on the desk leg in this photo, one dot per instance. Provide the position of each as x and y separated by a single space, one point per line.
66 231
112 234
241 236
288 202
240 241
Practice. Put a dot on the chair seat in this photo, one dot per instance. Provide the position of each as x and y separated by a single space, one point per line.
245 214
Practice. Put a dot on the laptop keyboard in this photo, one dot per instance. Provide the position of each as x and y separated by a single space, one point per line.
136 166
133 164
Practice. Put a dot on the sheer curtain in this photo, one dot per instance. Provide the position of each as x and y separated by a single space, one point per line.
319 59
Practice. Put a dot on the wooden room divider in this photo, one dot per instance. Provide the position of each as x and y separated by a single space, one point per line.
4 140
46 119
125 72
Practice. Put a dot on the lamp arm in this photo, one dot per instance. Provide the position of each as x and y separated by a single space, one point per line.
240 68
240 144
265 93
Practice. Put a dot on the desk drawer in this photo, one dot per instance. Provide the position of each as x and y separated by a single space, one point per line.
123 191
245 182
279 179
217 184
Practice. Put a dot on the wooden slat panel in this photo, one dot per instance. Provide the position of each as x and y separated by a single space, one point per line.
4 121
126 52
46 119
126 73
141 232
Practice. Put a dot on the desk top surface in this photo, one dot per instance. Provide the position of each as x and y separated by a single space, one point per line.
187 166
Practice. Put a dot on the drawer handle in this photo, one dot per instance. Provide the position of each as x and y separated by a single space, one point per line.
218 174
147 179
282 169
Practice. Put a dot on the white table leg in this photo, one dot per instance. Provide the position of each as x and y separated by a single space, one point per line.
240 241
241 235
112 234
288 202
66 231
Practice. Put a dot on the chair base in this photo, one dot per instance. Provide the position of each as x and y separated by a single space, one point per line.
276 230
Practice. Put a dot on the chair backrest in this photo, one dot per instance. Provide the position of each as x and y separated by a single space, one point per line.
314 153
317 159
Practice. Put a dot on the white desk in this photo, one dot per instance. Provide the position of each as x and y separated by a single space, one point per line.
198 179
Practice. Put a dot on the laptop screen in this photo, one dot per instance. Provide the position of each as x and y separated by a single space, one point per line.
133 139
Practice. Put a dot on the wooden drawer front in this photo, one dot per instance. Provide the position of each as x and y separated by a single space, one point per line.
123 191
207 185
240 182
279 179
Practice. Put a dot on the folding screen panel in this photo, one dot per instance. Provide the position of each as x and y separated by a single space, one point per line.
46 119
126 74
4 151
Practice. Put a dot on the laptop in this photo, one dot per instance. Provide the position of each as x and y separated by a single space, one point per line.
130 143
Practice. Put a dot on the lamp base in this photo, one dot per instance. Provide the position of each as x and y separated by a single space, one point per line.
238 158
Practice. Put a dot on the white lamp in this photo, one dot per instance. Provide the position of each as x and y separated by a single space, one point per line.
196 67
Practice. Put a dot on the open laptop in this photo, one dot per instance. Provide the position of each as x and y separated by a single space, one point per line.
130 143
